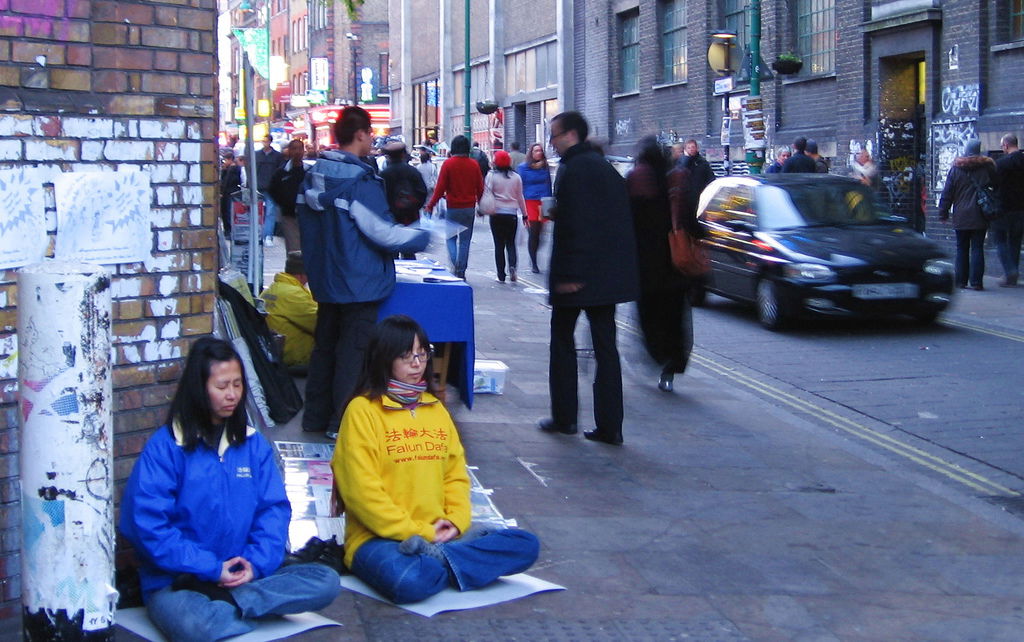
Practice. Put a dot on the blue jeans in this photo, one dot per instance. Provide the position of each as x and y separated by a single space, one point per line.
970 257
188 615
271 210
1007 234
411 578
458 244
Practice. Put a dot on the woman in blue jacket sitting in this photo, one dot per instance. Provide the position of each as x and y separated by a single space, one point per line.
205 509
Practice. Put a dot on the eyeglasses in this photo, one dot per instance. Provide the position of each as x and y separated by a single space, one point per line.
421 357
553 135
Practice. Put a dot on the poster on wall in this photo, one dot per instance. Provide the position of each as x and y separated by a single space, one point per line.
103 217
22 218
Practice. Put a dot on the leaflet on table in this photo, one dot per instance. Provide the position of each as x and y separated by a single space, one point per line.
304 450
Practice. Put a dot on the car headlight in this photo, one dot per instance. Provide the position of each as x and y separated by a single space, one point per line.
938 267
808 272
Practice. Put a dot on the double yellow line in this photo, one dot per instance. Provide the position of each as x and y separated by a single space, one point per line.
974 481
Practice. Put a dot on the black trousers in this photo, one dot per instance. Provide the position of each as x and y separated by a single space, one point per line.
666 321
563 368
339 343
503 230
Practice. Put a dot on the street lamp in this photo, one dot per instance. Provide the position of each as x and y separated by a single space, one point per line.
353 39
720 60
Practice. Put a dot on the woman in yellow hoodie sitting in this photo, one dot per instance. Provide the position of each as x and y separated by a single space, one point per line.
401 471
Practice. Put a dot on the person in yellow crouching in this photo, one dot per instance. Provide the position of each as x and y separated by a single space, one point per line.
401 471
291 311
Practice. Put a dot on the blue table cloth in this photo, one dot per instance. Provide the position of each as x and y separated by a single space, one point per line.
445 310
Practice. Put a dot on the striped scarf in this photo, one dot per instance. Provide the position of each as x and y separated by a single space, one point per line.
407 394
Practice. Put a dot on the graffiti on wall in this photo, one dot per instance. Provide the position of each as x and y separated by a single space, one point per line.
951 131
623 126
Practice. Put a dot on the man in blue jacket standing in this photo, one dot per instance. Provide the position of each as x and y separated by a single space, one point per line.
348 240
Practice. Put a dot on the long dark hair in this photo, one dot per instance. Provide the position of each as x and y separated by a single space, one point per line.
650 152
543 162
460 146
191 408
392 337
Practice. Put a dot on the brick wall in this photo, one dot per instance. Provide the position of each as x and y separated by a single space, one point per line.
123 84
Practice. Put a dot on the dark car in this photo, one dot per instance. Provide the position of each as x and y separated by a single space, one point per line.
802 245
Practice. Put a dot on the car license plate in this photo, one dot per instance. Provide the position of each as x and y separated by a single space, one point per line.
885 291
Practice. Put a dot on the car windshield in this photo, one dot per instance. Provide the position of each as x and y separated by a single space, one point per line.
817 205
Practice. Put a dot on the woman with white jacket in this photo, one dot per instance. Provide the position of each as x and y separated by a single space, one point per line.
507 188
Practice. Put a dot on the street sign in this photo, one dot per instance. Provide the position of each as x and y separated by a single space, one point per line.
318 75
724 85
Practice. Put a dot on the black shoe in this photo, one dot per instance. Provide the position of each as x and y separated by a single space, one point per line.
665 382
327 552
512 274
549 425
597 435
536 270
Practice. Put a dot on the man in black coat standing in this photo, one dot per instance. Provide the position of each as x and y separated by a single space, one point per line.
593 267
1008 229
800 162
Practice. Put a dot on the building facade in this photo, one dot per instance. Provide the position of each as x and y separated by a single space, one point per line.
103 89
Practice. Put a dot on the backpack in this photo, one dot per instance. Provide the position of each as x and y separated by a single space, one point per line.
989 204
408 195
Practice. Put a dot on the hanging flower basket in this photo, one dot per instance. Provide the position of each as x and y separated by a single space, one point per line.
787 65
486 106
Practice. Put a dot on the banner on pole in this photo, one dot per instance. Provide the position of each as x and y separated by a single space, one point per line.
257 46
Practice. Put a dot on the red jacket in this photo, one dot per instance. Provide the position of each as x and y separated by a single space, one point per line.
460 182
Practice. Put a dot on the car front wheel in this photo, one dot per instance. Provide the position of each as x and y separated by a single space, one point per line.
769 310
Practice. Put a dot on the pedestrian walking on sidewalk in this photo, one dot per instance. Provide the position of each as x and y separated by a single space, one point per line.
961 196
461 184
593 267
407 516
536 186
206 511
1008 229
348 241
666 319
507 188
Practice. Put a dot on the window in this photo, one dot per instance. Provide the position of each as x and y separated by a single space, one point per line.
673 41
531 69
1016 19
737 20
629 39
816 34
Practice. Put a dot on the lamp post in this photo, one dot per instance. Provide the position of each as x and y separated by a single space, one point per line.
352 40
720 60
753 109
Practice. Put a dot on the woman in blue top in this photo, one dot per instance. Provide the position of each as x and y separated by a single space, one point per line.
536 185
206 511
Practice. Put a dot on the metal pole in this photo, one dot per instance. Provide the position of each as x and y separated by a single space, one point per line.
254 267
467 125
755 156
66 459
726 132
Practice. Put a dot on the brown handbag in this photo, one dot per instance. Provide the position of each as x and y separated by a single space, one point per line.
688 255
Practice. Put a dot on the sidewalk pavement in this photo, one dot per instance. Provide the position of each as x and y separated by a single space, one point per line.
721 518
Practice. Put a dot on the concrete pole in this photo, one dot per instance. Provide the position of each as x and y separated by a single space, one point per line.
65 400
412 137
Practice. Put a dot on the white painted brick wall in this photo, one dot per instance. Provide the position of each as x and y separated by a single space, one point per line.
45 150
191 195
167 195
88 127
164 240
92 150
10 150
161 129
124 150
16 125
191 152
167 152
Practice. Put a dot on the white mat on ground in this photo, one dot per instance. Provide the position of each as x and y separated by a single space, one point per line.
136 621
511 587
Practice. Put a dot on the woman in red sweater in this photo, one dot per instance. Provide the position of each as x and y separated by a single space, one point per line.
462 184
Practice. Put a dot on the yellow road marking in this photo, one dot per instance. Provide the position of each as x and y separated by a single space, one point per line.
978 328
972 480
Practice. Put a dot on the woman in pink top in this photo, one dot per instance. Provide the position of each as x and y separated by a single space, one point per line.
507 187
